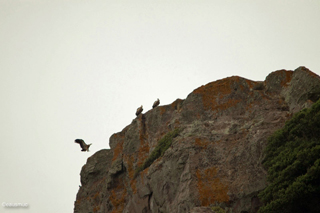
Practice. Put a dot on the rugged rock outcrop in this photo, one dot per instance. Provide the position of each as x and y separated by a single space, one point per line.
215 160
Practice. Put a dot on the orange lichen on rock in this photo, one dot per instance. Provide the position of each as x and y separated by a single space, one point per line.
280 77
213 94
144 148
96 195
162 110
176 105
287 79
96 209
133 184
130 159
118 197
117 151
250 83
211 189
309 72
98 183
143 152
201 143
131 171
143 174
229 103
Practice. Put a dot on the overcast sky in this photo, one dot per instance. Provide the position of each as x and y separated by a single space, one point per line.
79 69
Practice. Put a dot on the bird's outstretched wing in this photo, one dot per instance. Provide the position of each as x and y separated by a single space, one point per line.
81 142
83 145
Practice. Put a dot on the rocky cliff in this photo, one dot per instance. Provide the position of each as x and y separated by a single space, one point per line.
204 151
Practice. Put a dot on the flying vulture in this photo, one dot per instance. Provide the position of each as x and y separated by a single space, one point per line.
156 103
139 110
83 145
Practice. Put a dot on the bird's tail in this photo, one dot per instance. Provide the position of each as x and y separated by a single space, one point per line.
89 146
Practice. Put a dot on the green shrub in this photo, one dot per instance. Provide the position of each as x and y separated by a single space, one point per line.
163 144
293 163
218 209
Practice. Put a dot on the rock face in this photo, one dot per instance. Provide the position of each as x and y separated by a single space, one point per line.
215 161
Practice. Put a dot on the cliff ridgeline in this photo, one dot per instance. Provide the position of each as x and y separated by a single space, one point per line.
207 153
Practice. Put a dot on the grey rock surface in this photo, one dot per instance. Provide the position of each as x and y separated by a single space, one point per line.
214 161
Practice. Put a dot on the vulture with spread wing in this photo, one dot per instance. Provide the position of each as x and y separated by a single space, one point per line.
83 145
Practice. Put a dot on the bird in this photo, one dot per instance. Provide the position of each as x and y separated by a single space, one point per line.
83 145
139 110
156 103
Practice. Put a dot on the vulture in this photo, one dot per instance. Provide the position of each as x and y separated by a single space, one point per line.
139 110
83 145
156 103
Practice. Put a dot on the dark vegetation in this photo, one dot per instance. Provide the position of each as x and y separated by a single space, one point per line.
293 163
163 144
259 86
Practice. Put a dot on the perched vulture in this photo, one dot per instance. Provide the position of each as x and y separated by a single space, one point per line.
139 110
83 145
156 103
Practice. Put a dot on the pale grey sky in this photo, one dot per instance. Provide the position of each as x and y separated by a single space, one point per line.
79 69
